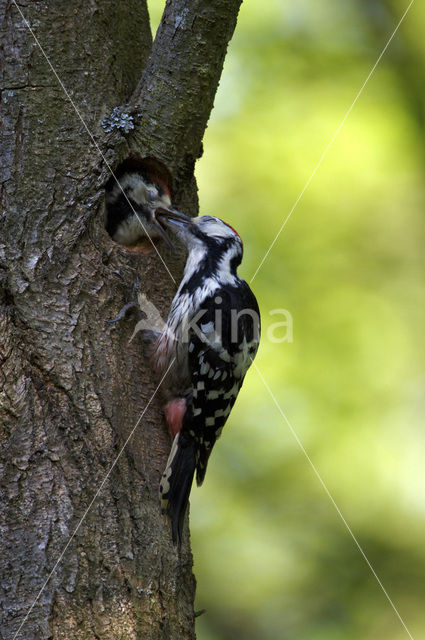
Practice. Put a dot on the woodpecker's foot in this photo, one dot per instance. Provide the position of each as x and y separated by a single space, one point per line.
130 305
174 413
126 308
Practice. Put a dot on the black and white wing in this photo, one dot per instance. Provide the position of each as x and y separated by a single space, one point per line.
221 348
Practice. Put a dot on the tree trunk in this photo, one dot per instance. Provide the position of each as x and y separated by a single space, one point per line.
85 552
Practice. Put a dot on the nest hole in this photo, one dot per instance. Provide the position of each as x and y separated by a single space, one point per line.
120 221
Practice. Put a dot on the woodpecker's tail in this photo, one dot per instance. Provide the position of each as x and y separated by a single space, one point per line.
176 482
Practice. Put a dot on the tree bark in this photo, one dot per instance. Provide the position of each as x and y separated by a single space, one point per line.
84 550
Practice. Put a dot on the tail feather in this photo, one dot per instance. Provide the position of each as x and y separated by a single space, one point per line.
176 482
201 466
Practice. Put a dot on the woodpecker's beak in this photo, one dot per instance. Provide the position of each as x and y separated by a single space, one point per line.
166 216
170 218
158 226
173 217
160 218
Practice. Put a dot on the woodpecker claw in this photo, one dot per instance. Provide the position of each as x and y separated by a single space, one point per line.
123 312
130 305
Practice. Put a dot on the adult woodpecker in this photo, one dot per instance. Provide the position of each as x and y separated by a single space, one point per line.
210 339
132 198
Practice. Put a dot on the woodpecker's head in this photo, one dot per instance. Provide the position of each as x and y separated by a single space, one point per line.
203 230
206 236
132 202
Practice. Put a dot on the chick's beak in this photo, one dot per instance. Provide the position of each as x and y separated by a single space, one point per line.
162 232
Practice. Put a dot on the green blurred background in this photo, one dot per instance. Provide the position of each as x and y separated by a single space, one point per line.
273 558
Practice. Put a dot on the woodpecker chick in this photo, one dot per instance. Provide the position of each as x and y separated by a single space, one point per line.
211 337
131 203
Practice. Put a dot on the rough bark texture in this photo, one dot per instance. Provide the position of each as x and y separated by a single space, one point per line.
71 388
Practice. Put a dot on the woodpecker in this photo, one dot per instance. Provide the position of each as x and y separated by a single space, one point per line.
209 341
131 201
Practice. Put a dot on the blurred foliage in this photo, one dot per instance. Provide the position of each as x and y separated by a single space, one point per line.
273 558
